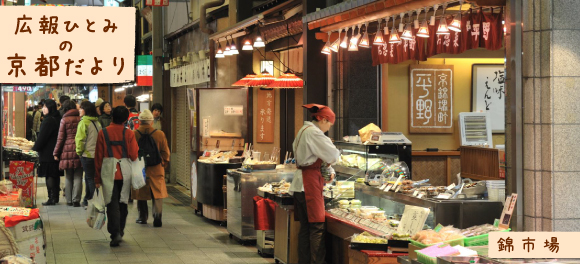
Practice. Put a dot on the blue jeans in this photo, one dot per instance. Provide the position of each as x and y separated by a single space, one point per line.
89 168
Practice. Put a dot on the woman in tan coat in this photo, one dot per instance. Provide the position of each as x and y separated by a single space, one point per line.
155 188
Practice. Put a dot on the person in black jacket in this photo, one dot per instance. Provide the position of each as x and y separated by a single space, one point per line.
44 145
29 122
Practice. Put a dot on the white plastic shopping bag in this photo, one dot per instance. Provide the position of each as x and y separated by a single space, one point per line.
138 174
96 214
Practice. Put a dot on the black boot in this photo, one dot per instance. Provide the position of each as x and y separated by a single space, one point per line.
143 212
49 189
56 190
157 220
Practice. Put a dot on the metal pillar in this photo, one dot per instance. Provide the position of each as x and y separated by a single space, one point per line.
157 43
513 41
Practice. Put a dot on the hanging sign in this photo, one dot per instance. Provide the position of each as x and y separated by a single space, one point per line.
22 175
191 74
266 109
144 70
431 98
157 2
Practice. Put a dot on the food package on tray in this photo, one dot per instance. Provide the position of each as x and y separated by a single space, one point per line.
367 131
479 230
11 199
430 237
366 237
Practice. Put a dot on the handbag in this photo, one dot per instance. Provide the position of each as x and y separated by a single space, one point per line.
138 173
96 216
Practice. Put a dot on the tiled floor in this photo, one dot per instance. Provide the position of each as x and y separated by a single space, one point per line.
184 238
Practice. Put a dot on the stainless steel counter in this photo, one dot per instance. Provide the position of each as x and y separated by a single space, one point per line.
242 187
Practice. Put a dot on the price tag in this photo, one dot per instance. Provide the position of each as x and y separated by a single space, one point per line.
399 180
383 186
398 188
415 193
420 196
444 196
388 187
451 186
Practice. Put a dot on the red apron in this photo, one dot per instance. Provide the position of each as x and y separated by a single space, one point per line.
313 184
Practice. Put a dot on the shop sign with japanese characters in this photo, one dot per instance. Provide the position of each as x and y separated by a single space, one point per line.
266 117
67 45
489 93
545 245
431 98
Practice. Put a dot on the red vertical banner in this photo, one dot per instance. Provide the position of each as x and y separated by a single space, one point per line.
465 32
492 30
475 31
266 116
22 176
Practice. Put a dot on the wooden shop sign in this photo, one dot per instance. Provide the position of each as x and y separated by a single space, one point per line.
431 98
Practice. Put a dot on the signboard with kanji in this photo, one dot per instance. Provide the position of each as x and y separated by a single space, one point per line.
144 70
431 98
266 117
489 93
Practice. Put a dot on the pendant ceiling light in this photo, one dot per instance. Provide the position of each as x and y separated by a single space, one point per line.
443 29
356 37
353 44
262 80
242 82
233 48
247 45
219 52
364 41
227 51
407 33
423 31
336 44
287 80
326 48
344 42
379 39
456 23
259 41
394 38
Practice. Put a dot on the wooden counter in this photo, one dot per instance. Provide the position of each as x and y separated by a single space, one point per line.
440 167
338 251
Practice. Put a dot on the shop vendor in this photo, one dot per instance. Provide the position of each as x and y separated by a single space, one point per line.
312 148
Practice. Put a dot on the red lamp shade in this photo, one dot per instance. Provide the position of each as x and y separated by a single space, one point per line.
242 82
262 80
287 80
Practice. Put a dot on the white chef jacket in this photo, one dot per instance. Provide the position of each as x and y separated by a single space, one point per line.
313 145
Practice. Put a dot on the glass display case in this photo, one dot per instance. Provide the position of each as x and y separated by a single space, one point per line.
361 160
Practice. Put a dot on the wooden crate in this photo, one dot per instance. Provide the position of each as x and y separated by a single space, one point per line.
480 163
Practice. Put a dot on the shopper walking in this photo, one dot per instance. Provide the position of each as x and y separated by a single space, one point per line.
36 121
312 147
157 110
86 142
29 123
65 152
115 143
153 148
98 104
45 146
133 120
61 100
105 117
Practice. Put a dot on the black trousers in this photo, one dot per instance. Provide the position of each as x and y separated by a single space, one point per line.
311 247
53 187
116 212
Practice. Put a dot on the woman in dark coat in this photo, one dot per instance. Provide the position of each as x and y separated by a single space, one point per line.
45 146
65 152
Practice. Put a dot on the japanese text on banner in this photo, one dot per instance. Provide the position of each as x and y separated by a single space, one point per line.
67 45
431 99
266 110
